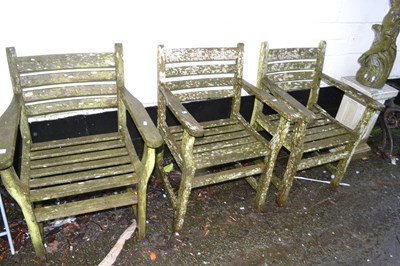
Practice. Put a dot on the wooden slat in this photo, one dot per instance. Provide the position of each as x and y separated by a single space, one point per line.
200 83
324 134
205 95
207 124
327 143
69 91
224 176
232 154
291 76
82 187
200 54
75 158
214 131
294 85
67 77
292 54
71 105
321 159
28 64
290 66
322 123
321 126
76 149
221 137
86 206
219 123
223 129
224 144
196 70
80 176
80 166
74 141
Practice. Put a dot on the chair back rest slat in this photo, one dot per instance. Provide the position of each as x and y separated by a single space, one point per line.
294 68
188 72
64 83
287 54
200 54
29 64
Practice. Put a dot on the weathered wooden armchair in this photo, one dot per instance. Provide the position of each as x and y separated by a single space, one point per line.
317 139
73 176
203 74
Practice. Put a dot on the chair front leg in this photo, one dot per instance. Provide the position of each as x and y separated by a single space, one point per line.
148 161
294 159
265 178
10 178
185 187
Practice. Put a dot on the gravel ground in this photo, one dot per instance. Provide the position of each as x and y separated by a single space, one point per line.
358 225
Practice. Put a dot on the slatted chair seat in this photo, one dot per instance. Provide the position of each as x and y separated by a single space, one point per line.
77 175
317 138
225 141
229 146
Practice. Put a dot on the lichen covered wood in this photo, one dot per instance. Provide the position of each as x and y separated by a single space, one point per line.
231 147
73 176
317 138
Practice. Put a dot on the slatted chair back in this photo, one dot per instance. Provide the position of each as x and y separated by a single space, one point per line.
52 86
294 69
202 73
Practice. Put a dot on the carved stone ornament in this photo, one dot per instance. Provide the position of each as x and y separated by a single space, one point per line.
377 62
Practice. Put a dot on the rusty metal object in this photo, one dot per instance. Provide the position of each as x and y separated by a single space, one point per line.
388 120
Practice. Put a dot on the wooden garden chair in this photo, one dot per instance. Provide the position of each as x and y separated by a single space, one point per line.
206 74
68 177
320 139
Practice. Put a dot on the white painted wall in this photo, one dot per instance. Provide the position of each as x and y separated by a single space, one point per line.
45 27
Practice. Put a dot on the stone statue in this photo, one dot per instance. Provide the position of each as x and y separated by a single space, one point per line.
377 62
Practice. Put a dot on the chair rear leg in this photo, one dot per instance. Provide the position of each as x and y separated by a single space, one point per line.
344 163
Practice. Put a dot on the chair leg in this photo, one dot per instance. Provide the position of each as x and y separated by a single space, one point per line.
148 160
183 197
35 230
161 174
295 156
344 163
340 170
265 178
185 187
20 194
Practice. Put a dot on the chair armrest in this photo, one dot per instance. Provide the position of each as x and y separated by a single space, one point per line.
188 122
142 120
353 93
9 123
266 97
305 113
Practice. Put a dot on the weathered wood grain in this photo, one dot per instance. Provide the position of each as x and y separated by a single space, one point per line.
230 147
317 138
74 176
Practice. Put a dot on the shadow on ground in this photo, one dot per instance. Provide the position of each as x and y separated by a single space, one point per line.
358 225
